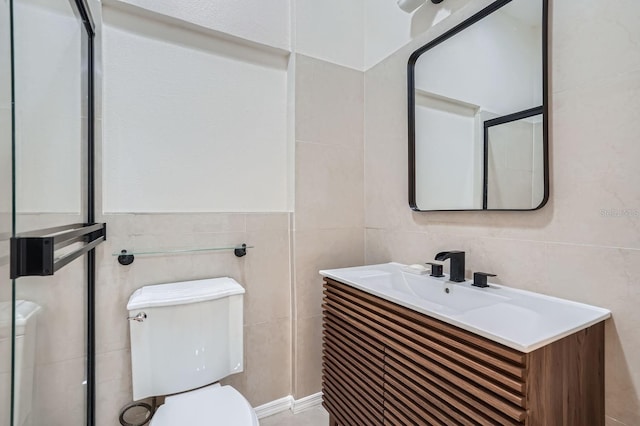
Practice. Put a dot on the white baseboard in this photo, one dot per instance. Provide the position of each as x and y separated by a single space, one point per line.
274 407
306 402
288 403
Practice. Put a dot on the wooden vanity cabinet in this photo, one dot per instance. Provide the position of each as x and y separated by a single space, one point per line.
384 364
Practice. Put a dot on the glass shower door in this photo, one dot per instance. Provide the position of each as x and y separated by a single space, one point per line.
52 260
6 305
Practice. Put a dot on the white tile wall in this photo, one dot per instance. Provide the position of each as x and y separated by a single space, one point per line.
264 272
575 247
329 217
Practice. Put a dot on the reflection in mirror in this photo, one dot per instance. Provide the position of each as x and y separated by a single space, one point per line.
483 79
514 164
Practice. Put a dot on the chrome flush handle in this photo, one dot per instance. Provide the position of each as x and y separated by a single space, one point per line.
140 317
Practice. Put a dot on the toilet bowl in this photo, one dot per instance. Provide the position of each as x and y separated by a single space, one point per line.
185 337
213 405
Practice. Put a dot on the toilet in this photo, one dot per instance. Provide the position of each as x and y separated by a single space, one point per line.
25 354
184 338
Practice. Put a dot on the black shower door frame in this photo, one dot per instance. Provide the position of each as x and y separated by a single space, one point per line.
26 256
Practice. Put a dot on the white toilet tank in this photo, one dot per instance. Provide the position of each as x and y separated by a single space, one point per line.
190 335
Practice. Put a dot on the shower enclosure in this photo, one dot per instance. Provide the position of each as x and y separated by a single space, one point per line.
47 229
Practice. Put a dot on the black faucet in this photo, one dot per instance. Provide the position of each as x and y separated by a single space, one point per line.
457 264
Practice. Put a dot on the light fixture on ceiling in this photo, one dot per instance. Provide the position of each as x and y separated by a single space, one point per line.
411 5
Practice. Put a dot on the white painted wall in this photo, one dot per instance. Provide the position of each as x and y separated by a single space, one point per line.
192 122
387 28
331 30
360 33
265 22
356 33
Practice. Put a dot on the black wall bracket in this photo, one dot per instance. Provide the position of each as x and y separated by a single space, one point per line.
125 258
240 251
33 253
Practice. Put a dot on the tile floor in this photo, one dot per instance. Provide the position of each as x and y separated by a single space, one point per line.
316 416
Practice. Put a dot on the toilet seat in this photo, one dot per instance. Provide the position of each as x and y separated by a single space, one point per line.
213 405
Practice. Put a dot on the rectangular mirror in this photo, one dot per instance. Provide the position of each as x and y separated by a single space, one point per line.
478 113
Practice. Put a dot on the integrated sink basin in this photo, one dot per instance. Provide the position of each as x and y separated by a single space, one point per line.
438 293
519 319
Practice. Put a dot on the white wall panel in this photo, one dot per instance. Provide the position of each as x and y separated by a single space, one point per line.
192 122
265 22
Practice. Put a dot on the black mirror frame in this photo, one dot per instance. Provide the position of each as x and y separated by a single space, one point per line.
411 101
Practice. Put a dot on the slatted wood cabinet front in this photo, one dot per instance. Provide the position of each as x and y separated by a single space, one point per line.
384 364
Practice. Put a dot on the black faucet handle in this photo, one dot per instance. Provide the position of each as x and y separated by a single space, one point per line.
436 269
480 279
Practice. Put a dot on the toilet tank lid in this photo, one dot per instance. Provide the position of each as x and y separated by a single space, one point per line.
180 293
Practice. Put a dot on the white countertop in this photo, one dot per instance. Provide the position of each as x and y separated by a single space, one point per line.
519 319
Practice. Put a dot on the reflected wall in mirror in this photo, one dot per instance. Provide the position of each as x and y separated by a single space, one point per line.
513 152
478 113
